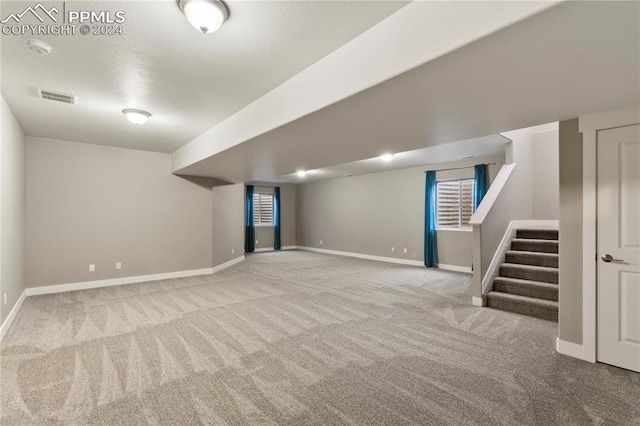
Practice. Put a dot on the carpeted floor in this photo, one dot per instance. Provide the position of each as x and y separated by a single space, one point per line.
298 338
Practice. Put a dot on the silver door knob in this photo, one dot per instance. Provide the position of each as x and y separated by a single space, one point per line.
608 258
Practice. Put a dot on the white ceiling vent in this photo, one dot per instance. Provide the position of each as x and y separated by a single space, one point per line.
57 96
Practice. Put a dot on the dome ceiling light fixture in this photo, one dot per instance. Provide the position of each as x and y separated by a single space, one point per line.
136 116
206 16
39 46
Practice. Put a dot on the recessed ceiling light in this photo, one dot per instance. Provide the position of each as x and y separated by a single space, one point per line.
136 116
301 173
39 46
386 157
206 16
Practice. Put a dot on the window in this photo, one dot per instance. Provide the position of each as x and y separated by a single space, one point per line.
455 203
262 209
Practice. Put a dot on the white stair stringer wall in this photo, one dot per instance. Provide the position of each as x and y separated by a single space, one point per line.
509 203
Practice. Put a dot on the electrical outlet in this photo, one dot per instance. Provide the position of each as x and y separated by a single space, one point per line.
320 242
92 268
393 249
5 298
405 250
118 265
233 251
256 242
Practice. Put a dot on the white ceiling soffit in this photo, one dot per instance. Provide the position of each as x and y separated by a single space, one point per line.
187 80
486 146
417 33
573 59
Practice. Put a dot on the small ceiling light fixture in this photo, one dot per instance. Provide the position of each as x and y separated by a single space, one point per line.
301 173
386 157
39 46
136 116
206 16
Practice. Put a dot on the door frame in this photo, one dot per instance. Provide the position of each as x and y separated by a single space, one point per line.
589 125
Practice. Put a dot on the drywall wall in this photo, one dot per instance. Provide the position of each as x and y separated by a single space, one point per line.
370 214
228 223
571 209
534 150
265 234
12 212
545 175
90 204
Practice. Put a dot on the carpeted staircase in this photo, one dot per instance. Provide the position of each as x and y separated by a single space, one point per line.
528 279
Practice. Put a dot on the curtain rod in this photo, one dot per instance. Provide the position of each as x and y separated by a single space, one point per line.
458 168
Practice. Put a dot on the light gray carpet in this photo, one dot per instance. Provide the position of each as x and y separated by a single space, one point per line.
298 338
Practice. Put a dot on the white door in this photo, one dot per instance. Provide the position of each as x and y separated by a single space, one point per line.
619 247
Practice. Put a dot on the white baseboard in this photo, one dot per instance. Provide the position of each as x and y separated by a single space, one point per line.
265 249
364 256
477 301
568 348
12 315
227 264
60 288
455 268
262 250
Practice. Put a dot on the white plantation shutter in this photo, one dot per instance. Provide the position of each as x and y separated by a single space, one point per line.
262 209
466 205
455 203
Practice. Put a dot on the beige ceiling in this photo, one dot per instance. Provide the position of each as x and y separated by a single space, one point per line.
189 82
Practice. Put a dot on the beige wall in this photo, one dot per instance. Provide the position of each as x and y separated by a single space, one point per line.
570 279
90 204
369 214
545 176
227 223
265 234
12 212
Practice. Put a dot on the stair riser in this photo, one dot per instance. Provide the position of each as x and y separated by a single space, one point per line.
538 293
550 262
525 274
518 308
537 234
540 247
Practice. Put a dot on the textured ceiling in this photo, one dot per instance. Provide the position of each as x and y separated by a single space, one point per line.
189 82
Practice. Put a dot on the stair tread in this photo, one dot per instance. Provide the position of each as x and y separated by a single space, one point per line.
530 267
533 253
535 240
518 281
524 300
